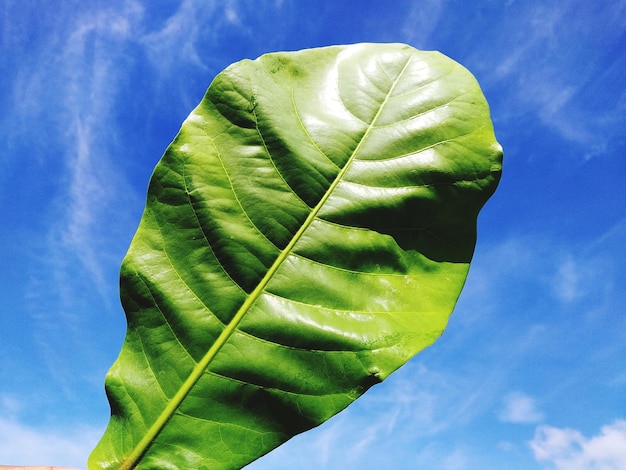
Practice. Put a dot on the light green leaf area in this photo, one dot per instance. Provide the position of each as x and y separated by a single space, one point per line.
306 233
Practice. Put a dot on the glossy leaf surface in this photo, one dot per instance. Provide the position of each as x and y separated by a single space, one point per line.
307 232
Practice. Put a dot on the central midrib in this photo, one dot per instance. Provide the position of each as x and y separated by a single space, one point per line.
154 430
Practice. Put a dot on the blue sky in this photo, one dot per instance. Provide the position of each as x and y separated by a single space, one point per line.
531 372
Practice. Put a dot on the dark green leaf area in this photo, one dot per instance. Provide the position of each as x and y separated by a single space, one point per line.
291 162
365 251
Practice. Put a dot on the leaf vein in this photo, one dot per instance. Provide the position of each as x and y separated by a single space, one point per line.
234 192
304 129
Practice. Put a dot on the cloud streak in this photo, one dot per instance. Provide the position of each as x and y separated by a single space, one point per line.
72 99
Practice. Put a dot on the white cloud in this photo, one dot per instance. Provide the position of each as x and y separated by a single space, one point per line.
520 409
569 449
25 445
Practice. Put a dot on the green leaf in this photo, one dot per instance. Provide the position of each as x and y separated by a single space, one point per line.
307 232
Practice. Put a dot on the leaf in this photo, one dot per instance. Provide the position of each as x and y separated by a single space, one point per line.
307 232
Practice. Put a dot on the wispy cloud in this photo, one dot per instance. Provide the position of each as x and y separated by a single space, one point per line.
176 42
187 37
25 444
405 417
569 449
420 22
189 43
76 89
574 275
568 281
74 95
546 58
457 460
520 408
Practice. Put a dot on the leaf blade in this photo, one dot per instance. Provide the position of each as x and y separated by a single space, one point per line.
264 267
